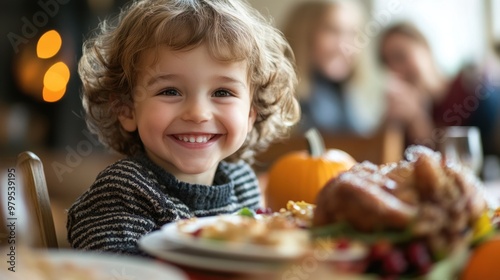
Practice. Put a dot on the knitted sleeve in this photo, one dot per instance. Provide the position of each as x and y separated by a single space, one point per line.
119 208
246 185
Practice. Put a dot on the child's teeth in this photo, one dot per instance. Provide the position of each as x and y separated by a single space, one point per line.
194 139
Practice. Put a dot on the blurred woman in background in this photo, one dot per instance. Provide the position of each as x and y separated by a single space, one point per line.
422 98
337 87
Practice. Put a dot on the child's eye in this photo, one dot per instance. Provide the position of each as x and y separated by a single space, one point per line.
169 92
222 93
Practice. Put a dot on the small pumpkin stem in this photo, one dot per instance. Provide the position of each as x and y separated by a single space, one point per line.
315 142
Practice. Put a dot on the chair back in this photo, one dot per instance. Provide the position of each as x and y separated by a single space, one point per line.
384 146
33 188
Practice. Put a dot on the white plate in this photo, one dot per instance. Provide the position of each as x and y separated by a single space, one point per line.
156 244
289 250
111 266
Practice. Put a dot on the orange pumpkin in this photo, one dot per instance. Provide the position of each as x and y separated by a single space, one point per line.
300 175
483 263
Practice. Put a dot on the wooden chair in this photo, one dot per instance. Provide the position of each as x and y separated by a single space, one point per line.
33 190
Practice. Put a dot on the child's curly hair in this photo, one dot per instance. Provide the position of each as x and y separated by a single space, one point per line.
232 31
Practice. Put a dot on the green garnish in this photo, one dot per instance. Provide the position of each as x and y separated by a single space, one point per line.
246 212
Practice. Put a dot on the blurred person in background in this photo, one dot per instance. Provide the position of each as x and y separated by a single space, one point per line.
421 97
337 88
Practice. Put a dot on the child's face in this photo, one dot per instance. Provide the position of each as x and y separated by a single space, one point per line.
191 111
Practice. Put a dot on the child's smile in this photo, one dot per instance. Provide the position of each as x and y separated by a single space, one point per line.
191 112
196 140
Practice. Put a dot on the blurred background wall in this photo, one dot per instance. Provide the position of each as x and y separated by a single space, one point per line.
459 31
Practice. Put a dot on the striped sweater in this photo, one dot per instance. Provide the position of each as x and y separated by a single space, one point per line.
134 196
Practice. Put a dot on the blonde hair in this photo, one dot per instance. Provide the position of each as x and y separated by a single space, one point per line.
231 30
364 84
304 19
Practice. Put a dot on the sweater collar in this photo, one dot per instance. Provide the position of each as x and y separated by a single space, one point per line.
195 196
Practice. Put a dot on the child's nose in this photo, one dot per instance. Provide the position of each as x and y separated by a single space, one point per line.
197 110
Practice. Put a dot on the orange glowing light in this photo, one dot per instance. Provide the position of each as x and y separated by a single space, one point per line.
57 77
53 96
48 44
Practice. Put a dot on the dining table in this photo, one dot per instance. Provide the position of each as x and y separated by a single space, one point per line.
491 193
193 270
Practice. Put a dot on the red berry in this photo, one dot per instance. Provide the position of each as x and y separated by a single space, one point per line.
342 244
394 263
264 211
419 257
380 249
197 232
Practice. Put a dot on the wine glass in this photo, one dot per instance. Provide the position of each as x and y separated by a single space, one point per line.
462 144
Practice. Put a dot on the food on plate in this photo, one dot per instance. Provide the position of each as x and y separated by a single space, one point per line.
421 209
300 213
243 229
300 175
484 228
496 217
247 212
275 231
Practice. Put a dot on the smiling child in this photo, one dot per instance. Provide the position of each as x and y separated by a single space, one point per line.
188 91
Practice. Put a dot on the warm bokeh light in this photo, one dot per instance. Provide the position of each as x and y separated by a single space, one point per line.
56 77
49 44
53 96
29 75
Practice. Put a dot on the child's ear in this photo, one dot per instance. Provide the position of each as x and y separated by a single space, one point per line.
251 118
126 117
